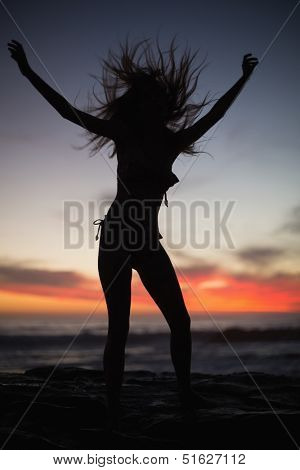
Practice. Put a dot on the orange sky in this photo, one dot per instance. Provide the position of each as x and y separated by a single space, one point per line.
218 292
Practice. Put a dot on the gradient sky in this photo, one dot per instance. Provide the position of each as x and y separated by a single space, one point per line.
255 148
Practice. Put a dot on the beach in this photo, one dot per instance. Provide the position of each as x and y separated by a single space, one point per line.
71 413
247 366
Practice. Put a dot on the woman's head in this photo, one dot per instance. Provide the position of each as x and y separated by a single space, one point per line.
146 100
147 88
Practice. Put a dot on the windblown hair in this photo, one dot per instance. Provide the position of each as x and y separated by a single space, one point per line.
122 73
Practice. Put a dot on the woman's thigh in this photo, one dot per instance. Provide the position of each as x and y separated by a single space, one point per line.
115 274
159 278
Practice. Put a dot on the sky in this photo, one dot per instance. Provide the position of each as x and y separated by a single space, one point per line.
253 163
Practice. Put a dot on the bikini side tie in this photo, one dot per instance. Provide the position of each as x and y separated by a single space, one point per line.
98 222
166 199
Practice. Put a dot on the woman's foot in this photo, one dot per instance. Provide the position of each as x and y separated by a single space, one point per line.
190 399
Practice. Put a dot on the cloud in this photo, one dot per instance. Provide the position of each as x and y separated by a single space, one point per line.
107 196
275 278
191 266
14 274
27 280
214 284
293 224
220 289
260 256
18 138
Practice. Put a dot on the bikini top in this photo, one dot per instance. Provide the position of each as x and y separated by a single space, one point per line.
141 176
150 182
144 171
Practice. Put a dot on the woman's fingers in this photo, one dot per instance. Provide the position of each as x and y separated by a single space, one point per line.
16 49
17 43
13 50
250 60
12 47
249 63
248 55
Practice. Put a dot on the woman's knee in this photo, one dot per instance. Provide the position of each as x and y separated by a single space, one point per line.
118 332
181 323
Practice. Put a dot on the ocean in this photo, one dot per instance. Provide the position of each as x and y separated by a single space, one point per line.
260 342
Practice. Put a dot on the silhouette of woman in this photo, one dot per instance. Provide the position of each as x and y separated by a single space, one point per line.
150 124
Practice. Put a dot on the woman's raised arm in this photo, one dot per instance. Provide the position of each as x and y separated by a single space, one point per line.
189 135
91 123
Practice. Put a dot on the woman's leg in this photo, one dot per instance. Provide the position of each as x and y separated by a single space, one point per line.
158 276
115 275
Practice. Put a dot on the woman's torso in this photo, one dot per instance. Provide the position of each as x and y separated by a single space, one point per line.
144 174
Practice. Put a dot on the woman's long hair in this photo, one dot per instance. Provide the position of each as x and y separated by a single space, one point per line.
121 73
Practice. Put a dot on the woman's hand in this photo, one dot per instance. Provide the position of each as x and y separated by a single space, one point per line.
17 53
249 63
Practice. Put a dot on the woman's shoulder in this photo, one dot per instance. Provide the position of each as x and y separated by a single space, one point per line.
121 130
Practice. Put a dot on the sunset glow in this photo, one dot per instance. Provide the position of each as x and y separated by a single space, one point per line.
226 294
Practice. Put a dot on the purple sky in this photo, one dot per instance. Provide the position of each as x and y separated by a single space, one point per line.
256 147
